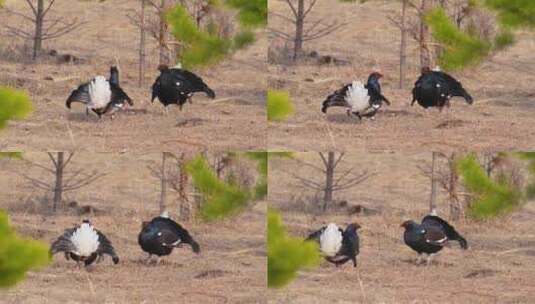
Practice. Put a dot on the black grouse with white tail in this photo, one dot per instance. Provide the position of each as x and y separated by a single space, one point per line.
359 99
101 95
430 236
338 246
435 89
177 86
161 235
85 244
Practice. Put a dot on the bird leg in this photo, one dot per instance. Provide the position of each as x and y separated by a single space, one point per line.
419 259
429 257
147 261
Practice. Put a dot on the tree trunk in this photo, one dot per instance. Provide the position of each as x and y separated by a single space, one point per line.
142 45
38 37
403 46
162 34
58 188
329 180
425 59
299 26
163 194
455 206
433 199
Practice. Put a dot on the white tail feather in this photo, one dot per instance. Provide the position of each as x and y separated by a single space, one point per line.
357 97
331 240
99 93
85 239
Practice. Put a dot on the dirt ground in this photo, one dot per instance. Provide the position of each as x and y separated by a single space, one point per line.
501 117
498 267
235 120
230 269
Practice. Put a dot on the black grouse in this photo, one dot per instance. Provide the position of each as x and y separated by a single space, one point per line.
85 244
336 245
100 95
161 235
360 100
430 236
176 86
435 89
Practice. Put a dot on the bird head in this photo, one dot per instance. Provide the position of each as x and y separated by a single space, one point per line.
114 69
86 221
163 67
375 75
425 70
407 224
354 226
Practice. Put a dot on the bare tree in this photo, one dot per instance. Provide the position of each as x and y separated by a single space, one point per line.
63 181
142 42
44 28
160 172
332 181
304 30
403 45
443 172
178 180
433 199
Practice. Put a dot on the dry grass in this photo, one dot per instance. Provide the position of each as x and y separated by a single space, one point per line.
230 268
500 119
497 268
108 38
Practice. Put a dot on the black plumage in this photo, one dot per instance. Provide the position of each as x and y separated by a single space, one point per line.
70 244
177 86
361 106
430 236
349 247
114 99
435 89
161 235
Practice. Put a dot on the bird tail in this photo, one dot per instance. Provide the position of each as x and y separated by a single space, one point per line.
194 245
209 92
467 97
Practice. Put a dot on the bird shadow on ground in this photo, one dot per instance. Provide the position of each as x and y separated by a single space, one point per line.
81 117
401 113
451 123
343 118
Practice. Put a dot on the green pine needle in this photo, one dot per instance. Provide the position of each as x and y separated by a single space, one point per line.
279 105
286 254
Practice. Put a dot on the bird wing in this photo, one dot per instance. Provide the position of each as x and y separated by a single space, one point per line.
155 89
435 236
350 243
63 243
173 232
81 94
448 230
315 236
119 96
105 247
336 99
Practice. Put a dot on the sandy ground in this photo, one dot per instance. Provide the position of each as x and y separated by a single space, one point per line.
500 118
230 269
235 120
498 267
